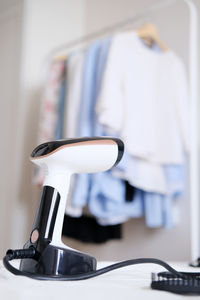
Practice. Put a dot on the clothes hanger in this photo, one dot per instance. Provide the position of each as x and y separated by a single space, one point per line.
150 34
61 57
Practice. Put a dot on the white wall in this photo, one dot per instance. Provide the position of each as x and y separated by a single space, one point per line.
48 24
10 49
23 53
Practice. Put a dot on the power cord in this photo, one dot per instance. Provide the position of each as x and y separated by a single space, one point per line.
173 280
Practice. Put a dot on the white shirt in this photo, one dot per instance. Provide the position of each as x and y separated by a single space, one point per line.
144 99
72 109
73 94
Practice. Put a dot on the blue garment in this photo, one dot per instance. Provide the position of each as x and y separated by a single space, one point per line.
107 193
87 117
107 199
158 207
86 123
92 189
61 109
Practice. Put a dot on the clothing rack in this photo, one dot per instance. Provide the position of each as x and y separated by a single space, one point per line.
193 93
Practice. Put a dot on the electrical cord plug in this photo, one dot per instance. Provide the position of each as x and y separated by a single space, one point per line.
20 253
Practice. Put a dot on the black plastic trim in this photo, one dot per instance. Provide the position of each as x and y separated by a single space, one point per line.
43 212
58 261
120 145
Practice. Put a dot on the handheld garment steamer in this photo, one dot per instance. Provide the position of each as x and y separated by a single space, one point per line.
44 256
59 160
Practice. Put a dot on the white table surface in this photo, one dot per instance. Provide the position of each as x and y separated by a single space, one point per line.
132 282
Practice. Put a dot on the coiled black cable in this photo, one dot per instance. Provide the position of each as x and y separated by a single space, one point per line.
184 283
30 253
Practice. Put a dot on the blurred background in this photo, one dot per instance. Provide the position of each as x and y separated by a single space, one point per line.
30 32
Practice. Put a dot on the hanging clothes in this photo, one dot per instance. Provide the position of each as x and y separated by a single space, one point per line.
93 67
120 87
146 118
88 188
144 99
